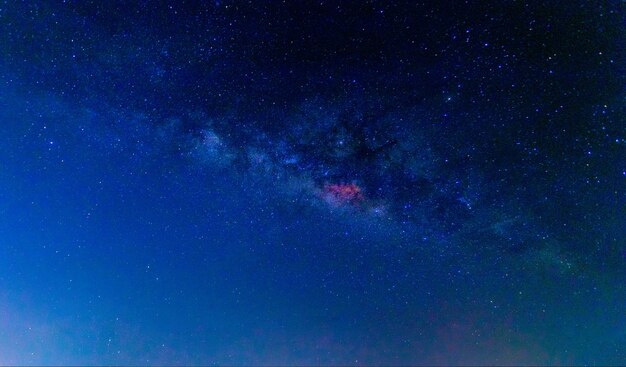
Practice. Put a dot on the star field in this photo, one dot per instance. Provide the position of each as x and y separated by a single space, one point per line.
312 183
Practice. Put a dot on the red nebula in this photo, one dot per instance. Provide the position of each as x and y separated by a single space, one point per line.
342 194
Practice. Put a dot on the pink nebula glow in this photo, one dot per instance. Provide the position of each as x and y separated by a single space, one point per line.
342 194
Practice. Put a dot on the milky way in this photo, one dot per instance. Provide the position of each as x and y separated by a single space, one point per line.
298 182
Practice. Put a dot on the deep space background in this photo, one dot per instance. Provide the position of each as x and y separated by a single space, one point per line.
297 182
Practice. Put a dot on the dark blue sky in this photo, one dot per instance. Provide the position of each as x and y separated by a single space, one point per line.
255 183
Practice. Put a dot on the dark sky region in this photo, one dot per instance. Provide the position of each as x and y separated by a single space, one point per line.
312 183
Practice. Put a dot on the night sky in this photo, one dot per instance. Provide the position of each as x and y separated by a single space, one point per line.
312 183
